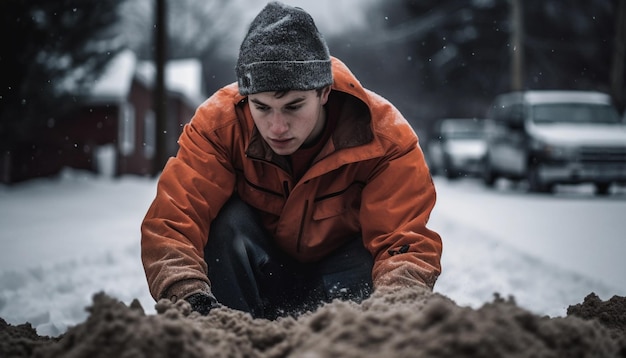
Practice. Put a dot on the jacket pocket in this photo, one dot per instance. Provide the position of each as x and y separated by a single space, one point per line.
329 208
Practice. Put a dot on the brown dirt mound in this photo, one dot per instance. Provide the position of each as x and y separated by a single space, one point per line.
19 341
609 313
404 323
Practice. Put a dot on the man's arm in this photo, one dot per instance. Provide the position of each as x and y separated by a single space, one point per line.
396 206
191 190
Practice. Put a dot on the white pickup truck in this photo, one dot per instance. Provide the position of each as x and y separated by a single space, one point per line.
555 137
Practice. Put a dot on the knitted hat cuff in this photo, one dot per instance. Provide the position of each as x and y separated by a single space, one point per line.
269 76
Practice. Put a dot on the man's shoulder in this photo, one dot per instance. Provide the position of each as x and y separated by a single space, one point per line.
388 121
225 97
219 108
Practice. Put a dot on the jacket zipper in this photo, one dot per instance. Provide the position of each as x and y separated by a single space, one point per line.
285 183
301 230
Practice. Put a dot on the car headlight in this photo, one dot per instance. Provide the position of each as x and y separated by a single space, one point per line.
554 151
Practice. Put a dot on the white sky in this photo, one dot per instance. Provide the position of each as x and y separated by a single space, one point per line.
330 16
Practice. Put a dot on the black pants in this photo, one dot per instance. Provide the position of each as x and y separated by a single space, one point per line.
250 274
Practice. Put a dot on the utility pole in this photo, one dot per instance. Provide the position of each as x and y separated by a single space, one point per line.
517 46
619 57
160 98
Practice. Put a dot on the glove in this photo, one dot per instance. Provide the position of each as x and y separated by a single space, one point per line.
202 303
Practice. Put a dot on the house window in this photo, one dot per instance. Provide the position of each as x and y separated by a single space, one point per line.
127 130
149 136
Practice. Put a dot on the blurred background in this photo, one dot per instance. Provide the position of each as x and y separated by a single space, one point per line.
94 94
106 85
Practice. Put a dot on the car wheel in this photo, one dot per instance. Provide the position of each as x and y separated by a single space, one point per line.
448 170
603 188
451 173
535 184
488 175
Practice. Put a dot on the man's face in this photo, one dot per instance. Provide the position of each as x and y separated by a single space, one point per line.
289 121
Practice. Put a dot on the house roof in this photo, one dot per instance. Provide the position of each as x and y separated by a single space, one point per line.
181 76
116 79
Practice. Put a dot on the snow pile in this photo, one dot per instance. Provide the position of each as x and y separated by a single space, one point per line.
403 323
68 238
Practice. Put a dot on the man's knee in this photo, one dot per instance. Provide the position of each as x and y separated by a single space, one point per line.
237 237
347 273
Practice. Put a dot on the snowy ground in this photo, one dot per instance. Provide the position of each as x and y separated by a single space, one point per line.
66 238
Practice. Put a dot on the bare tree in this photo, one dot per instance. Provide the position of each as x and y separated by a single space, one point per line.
50 49
194 26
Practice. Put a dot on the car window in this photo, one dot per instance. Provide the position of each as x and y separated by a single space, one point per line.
460 129
574 113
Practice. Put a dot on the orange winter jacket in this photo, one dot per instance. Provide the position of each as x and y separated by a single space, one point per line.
370 178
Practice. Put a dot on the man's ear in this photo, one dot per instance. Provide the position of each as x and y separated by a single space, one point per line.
324 95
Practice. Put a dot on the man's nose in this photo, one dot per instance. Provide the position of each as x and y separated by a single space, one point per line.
278 124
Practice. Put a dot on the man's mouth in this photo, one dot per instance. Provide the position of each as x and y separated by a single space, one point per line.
280 141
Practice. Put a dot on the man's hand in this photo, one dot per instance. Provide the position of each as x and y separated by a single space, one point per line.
202 303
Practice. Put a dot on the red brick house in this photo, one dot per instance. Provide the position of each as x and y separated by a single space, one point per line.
113 131
125 99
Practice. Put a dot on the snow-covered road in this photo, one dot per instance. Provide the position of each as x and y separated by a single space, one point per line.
64 239
573 229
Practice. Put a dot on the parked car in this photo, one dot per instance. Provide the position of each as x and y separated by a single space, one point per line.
556 137
457 147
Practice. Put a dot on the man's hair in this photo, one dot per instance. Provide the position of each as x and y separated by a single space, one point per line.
281 94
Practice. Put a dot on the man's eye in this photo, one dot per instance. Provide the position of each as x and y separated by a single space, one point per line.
262 108
293 108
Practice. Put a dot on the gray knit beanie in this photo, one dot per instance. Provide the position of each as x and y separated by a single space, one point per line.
283 51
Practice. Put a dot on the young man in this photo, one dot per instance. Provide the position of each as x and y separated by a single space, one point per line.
292 187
